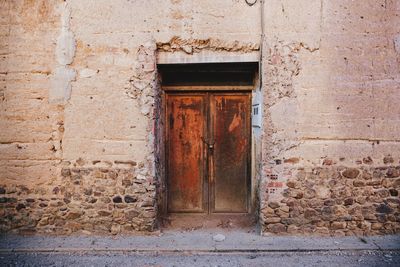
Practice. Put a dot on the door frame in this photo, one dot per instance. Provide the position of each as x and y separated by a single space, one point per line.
201 90
226 78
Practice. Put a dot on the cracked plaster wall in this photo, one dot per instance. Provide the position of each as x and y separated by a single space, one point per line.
331 79
330 86
78 150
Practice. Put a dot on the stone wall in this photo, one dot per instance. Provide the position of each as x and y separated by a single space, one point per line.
116 200
335 200
331 136
79 124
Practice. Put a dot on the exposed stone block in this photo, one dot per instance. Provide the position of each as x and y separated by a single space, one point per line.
338 225
393 172
277 228
384 208
351 173
388 159
272 219
130 199
274 205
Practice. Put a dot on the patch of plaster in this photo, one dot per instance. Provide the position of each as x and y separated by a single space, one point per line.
142 84
87 73
396 41
61 85
60 91
282 67
65 50
191 46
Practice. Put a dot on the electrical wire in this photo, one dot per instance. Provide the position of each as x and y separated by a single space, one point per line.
251 2
260 72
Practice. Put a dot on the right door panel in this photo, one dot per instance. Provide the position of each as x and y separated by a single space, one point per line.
230 119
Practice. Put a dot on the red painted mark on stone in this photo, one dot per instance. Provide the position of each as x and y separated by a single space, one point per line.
275 184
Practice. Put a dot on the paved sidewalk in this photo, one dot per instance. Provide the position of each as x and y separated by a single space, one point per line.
198 248
196 242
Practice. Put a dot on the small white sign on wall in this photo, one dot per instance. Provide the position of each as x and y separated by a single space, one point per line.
256 116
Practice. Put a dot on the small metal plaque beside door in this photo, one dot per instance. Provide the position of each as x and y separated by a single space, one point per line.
256 116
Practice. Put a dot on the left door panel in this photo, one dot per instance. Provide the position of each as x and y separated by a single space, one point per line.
186 123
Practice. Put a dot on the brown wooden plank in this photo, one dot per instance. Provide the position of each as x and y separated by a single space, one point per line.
231 131
185 170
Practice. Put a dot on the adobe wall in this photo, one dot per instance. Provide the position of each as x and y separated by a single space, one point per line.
79 91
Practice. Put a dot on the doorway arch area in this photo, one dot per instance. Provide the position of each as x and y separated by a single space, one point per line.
207 168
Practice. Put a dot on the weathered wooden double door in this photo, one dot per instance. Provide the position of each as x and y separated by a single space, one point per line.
208 152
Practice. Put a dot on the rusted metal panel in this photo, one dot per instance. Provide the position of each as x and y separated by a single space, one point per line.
186 123
231 147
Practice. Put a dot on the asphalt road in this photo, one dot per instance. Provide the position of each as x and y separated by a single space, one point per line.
275 259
